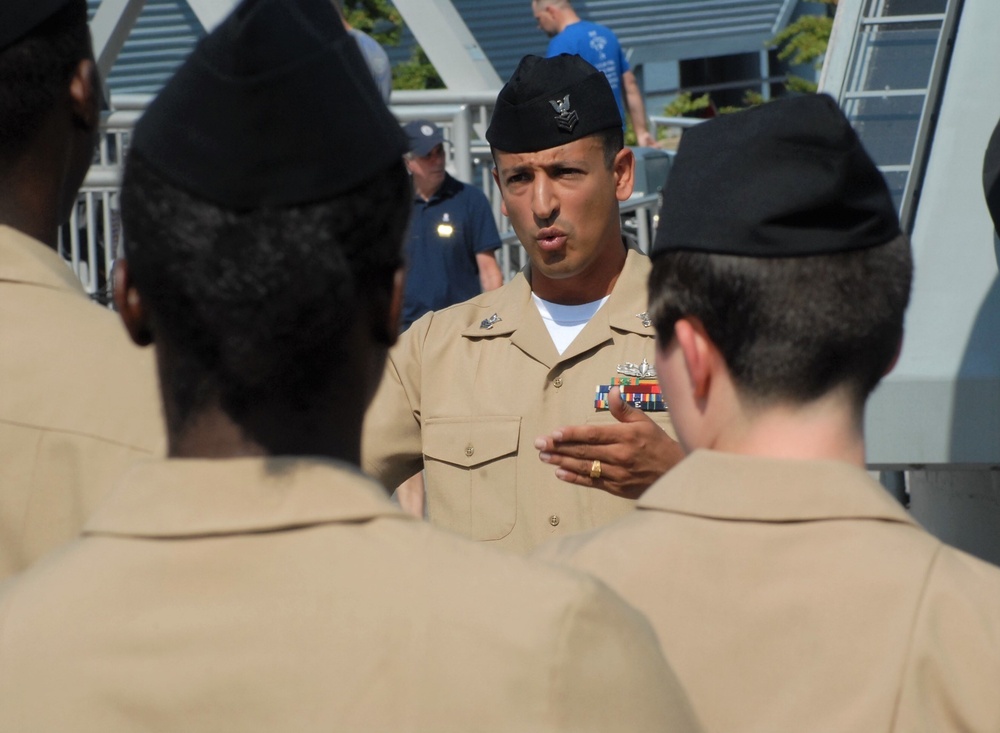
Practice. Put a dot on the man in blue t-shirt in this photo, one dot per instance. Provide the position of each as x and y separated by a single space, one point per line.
453 236
600 48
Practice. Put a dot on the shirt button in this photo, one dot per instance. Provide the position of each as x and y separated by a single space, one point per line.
554 520
557 381
469 450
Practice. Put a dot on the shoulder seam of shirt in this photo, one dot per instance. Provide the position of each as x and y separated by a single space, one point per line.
78 433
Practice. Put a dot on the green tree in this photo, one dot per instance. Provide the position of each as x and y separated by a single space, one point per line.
804 41
416 73
380 20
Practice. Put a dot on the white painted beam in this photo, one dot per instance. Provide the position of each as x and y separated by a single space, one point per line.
211 12
449 45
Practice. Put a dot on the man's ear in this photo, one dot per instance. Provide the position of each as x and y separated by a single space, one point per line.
85 95
624 170
699 354
129 305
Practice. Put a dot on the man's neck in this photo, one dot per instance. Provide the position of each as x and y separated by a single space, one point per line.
30 206
567 17
212 433
586 287
825 429
427 193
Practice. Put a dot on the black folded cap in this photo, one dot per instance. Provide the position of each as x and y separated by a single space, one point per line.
275 107
18 17
991 177
551 102
787 179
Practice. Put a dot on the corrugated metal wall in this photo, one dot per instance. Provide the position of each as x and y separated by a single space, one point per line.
651 30
163 36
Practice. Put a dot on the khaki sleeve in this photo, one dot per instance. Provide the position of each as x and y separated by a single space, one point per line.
611 674
953 667
391 446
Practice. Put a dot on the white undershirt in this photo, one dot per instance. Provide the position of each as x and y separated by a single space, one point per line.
564 322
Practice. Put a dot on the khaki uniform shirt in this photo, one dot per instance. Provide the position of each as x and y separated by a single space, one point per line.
78 402
290 595
799 596
466 402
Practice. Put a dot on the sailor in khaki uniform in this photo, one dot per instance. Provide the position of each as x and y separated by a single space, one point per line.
78 401
789 591
255 579
504 400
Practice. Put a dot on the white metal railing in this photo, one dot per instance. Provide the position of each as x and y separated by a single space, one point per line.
658 121
93 237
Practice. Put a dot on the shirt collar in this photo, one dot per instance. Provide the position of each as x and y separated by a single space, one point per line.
513 303
24 259
199 497
448 188
749 488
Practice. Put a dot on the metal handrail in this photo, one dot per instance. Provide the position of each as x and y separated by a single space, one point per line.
94 235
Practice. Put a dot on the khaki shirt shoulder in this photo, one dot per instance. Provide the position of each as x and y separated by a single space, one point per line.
798 595
78 404
290 594
466 392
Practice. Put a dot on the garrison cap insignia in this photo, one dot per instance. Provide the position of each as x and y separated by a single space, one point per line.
488 323
567 118
642 371
644 317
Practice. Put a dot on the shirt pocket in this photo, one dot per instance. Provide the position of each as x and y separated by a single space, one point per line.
471 474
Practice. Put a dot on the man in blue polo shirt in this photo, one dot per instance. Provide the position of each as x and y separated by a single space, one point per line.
453 236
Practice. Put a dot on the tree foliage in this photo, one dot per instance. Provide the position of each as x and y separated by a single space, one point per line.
416 73
805 41
380 20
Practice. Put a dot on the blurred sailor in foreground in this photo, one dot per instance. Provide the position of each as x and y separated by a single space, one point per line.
789 590
78 401
255 579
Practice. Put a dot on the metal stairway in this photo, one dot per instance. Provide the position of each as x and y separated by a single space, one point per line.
888 80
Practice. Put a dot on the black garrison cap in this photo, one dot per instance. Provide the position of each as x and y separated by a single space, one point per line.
275 107
551 102
787 179
18 17
991 177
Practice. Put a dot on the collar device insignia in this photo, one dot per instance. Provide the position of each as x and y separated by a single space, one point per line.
488 323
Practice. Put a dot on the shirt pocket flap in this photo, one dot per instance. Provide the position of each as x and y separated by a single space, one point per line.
470 441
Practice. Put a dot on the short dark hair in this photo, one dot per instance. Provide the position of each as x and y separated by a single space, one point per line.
35 70
796 328
613 141
258 306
